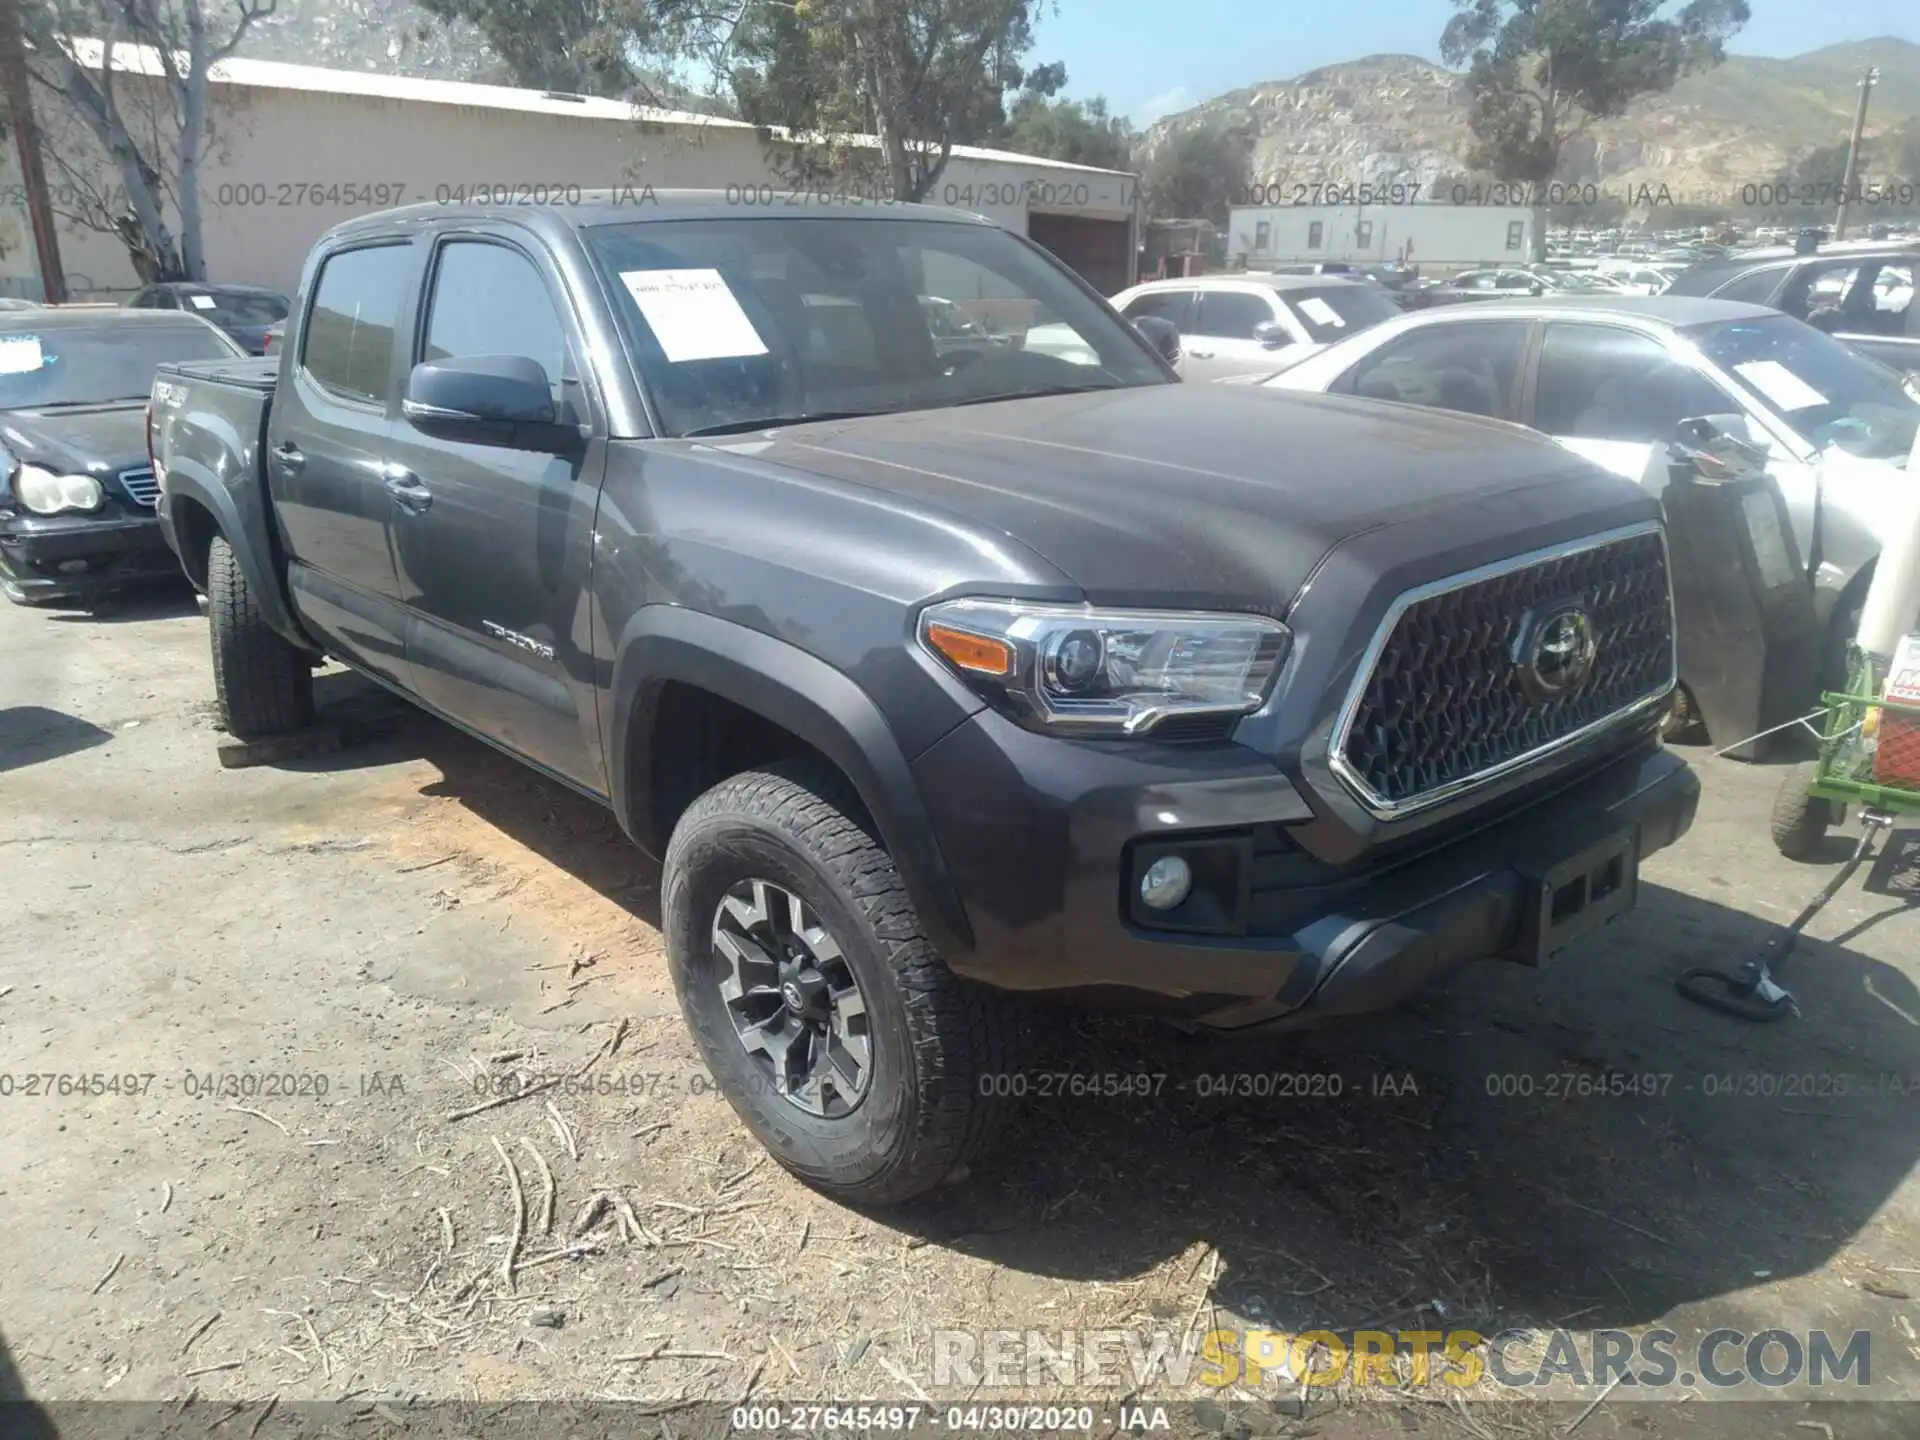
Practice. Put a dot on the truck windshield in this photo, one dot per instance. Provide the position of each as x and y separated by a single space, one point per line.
56 365
1828 393
738 321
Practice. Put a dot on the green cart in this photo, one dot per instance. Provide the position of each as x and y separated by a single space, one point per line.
1869 758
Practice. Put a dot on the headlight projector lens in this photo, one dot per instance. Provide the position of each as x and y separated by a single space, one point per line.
1166 883
1077 660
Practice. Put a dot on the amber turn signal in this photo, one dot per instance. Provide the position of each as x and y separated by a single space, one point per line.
976 654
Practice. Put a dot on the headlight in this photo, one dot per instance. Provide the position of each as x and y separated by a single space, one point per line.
46 493
1116 672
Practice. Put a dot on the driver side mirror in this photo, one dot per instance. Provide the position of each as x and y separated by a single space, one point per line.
1538 287
1272 335
1162 334
504 400
1716 448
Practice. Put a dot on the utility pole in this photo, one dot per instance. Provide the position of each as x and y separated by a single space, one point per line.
1867 82
26 142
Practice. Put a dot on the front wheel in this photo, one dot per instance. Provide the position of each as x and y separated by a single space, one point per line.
830 1024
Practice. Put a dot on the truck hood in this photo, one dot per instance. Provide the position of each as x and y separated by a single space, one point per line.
92 439
1194 494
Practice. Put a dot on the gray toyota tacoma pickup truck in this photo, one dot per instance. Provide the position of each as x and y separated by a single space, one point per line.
939 675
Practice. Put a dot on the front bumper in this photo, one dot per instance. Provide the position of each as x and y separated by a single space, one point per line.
1044 838
62 557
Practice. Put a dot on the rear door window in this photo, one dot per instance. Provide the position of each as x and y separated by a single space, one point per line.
348 346
1469 367
1754 289
1173 305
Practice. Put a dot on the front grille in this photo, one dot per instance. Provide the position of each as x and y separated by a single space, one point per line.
1447 700
140 486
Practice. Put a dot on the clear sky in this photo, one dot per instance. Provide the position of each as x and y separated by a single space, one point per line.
1149 57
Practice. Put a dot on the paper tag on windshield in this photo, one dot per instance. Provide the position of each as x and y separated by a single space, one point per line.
694 315
20 355
1779 384
1314 308
201 302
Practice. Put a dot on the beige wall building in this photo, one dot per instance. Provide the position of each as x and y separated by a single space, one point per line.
298 149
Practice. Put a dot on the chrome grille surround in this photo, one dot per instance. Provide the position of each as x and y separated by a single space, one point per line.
1401 748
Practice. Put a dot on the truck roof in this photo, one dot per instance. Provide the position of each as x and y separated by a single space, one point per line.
577 208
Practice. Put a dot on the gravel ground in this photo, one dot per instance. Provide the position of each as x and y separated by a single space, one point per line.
290 981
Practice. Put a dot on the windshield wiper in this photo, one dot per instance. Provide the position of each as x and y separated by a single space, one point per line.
774 422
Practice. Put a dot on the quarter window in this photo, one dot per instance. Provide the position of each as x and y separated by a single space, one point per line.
1363 233
1516 234
1315 231
1468 366
1262 235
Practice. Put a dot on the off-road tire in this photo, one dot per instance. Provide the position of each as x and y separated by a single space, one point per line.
262 685
942 1047
1801 820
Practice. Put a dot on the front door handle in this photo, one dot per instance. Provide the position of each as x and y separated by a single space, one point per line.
287 455
407 491
1201 354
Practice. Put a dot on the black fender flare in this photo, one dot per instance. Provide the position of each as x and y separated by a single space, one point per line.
249 536
802 695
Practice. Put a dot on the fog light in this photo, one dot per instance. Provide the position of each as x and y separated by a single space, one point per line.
1166 883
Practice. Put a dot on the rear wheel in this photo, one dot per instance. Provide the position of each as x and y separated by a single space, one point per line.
1801 819
262 684
845 1043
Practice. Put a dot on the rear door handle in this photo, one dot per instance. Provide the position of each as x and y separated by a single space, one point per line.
405 487
287 455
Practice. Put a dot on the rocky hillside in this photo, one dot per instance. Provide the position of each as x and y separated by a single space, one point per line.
1400 119
392 36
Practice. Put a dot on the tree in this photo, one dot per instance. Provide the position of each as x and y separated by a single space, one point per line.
140 97
575 46
1079 132
1195 174
920 75
1541 72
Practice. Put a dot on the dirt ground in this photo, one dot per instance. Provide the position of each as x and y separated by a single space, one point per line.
292 980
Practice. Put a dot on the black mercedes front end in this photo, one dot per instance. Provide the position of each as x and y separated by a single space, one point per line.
78 502
81 551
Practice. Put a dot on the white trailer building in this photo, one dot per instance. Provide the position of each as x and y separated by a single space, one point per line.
1430 234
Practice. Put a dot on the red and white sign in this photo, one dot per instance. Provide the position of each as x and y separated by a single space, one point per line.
1903 680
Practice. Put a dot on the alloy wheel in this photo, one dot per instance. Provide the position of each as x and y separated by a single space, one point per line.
792 997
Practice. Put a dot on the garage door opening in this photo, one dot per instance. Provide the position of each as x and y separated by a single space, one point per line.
1099 249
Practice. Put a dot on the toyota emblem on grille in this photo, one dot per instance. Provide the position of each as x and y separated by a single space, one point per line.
1560 652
